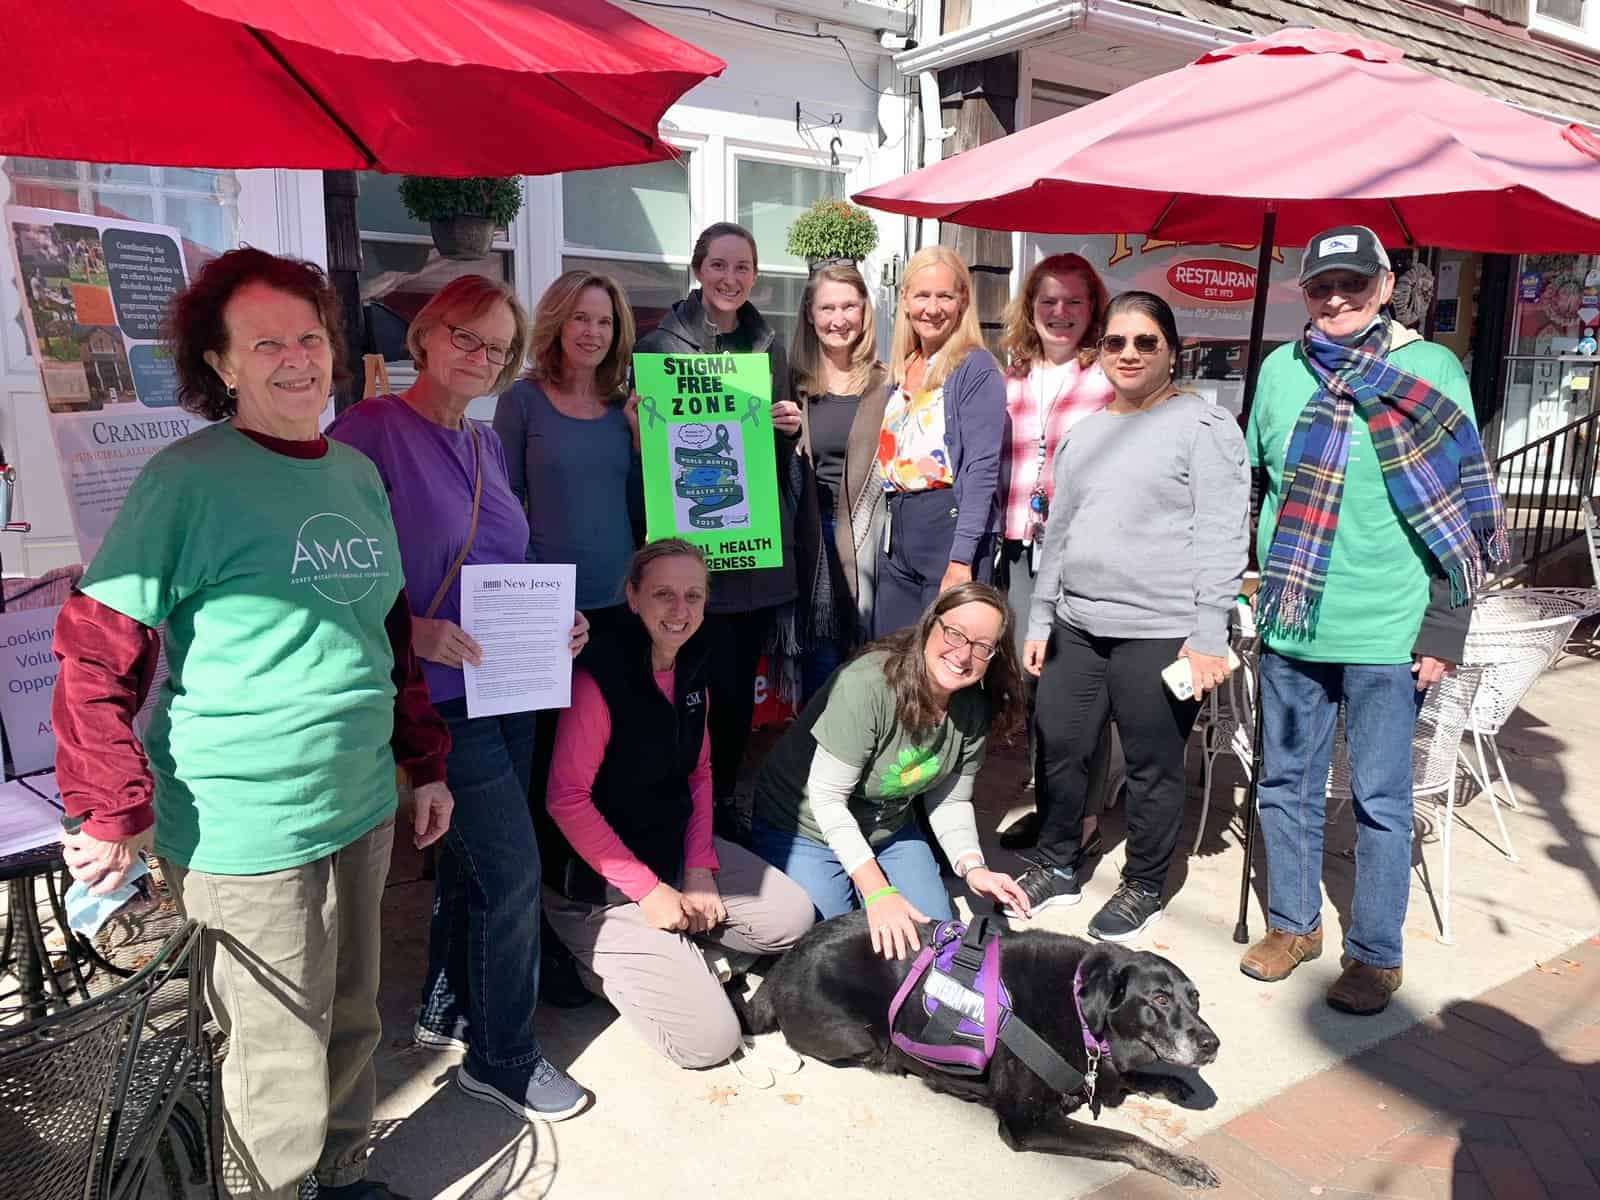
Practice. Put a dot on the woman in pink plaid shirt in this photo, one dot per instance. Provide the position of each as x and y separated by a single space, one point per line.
1053 379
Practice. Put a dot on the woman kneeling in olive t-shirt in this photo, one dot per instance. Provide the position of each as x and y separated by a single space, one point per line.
911 717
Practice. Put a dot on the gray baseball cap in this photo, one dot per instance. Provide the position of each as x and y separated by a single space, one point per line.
1344 248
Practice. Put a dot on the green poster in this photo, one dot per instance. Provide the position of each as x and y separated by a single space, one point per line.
710 473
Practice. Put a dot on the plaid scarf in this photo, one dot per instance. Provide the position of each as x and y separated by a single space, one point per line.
1433 467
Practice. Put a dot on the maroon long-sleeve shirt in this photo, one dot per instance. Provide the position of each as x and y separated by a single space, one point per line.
108 661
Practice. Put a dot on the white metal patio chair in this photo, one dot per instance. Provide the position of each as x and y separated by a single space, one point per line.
1515 634
1435 758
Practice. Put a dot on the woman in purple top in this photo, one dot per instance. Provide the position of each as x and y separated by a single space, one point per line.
483 946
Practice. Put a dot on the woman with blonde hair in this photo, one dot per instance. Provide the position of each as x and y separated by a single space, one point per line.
939 447
1053 379
450 492
841 388
572 437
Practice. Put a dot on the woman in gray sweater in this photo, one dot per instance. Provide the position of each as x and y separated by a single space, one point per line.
1142 559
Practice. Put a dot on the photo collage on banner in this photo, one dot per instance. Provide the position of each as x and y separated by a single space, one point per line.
96 292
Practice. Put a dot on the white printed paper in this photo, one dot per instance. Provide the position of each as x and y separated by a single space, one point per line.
522 615
27 819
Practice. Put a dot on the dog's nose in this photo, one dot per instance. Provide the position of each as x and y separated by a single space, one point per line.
1208 1044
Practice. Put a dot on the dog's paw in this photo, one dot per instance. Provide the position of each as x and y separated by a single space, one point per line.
1187 1171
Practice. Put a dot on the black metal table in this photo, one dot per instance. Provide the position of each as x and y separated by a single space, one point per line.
23 953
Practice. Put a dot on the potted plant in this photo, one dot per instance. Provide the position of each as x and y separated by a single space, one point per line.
832 230
462 214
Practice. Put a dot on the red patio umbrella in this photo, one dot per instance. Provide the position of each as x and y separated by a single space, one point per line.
449 87
1317 128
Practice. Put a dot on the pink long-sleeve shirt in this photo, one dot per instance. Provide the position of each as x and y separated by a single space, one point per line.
581 740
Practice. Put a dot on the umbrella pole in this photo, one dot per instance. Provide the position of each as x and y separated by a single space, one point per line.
1258 321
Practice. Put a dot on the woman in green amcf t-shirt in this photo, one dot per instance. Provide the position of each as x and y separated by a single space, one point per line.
908 719
269 556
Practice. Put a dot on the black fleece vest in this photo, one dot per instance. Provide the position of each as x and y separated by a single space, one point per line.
642 787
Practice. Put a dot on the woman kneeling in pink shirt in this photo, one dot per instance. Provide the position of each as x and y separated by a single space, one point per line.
635 882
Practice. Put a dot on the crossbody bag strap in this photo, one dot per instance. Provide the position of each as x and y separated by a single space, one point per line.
472 530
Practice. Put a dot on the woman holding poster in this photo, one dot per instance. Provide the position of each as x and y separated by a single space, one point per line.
269 557
939 448
741 614
841 388
453 505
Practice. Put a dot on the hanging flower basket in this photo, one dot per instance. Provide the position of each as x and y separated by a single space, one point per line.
462 214
832 231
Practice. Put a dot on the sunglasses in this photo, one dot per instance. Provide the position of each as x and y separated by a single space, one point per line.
1351 287
468 342
1144 343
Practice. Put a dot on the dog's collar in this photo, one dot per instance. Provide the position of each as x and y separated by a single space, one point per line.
1095 1048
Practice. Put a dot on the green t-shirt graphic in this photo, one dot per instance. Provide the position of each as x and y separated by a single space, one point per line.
1376 591
854 720
273 575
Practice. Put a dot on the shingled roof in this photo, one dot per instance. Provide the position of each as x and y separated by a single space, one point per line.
1502 61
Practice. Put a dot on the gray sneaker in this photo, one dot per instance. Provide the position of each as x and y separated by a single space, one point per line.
541 1091
452 1038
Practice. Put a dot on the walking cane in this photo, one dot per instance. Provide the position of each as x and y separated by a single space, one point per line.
1241 932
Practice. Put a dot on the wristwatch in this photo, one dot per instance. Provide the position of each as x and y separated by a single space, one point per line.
963 872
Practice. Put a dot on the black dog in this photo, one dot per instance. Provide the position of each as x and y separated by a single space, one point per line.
830 996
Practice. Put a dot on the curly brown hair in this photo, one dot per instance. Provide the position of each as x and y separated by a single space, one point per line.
907 670
196 325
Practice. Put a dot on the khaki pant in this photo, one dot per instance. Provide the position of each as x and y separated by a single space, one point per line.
659 981
292 978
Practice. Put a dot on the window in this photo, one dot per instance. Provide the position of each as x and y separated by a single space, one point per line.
770 196
1569 20
635 224
201 205
1567 11
401 269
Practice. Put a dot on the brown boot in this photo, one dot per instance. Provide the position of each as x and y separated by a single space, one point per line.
1279 953
1363 990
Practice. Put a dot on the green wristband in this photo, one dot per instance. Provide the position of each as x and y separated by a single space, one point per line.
891 890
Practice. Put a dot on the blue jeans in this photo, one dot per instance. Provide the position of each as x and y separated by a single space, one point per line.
906 859
483 942
1300 706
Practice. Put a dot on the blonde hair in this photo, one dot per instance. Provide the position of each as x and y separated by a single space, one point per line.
466 299
806 355
1020 341
555 308
964 339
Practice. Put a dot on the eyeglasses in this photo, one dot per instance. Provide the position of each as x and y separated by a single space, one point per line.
468 342
954 639
1351 287
1144 343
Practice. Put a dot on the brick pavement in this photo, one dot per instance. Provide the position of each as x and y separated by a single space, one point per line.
1496 1098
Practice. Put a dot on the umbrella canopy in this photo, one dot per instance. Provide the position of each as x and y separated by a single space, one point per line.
450 87
1321 128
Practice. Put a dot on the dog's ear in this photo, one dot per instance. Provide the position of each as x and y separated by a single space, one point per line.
1105 986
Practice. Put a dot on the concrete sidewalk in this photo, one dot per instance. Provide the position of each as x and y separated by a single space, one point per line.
656 1130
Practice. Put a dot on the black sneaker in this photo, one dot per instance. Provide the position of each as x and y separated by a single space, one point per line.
1045 886
1127 914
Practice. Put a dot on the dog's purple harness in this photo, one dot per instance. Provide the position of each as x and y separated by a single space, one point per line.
969 1012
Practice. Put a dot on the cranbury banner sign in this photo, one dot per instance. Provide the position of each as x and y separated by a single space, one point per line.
96 293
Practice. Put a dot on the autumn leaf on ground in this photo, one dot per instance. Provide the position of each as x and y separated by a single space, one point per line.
1160 946
1543 969
792 1097
720 1093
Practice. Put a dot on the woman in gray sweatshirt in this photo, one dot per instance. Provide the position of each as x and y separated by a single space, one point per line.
1142 559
